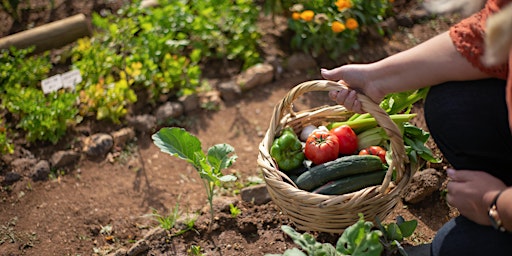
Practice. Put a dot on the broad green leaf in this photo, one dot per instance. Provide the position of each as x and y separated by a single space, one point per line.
179 143
219 158
408 227
393 232
359 239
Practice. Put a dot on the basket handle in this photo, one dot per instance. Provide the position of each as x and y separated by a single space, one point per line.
368 105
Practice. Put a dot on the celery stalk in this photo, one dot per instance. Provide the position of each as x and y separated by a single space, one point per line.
370 122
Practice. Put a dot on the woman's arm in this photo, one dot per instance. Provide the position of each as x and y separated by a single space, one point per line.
432 62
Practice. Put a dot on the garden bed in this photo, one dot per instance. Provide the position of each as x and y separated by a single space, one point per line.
103 206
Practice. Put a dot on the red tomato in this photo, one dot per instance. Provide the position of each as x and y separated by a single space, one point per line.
347 139
321 146
376 151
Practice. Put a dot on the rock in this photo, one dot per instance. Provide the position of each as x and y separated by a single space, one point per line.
257 194
169 110
23 165
142 123
98 144
122 136
10 178
41 171
254 76
19 152
300 61
229 91
422 185
64 158
210 100
190 102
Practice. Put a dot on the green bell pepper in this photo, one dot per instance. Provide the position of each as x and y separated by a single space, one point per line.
287 150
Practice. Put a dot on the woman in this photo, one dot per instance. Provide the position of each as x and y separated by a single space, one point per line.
468 117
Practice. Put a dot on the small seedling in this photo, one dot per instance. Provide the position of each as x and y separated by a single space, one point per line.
182 144
235 211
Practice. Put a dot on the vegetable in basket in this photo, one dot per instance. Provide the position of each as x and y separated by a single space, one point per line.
347 139
322 146
287 151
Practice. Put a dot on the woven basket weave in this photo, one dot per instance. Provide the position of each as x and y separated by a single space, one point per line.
330 213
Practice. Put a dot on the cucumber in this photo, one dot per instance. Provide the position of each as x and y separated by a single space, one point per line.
337 169
351 183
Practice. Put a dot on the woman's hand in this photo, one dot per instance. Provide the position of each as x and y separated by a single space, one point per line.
355 79
471 192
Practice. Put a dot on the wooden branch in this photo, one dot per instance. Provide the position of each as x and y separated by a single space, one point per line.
49 36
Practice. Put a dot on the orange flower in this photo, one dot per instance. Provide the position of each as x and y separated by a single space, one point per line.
307 15
352 23
295 16
343 4
391 1
337 27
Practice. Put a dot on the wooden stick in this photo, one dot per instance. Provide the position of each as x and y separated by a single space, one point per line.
49 36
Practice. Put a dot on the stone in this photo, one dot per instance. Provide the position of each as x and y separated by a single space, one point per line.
122 136
63 158
422 185
257 194
10 178
40 171
254 76
190 102
23 165
142 123
169 110
98 144
229 91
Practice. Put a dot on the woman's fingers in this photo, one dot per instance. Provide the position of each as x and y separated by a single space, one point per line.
347 98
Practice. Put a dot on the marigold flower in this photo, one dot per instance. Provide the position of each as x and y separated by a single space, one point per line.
307 15
352 23
337 27
343 4
295 16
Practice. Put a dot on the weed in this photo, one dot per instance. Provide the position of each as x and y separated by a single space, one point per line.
235 211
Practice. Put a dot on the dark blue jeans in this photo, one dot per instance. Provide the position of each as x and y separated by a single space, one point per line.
469 123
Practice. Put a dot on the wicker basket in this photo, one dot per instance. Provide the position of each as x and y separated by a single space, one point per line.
331 213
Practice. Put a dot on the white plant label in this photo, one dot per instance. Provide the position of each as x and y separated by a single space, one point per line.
51 84
71 78
67 80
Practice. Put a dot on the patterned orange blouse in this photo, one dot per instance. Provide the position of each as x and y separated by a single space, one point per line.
468 38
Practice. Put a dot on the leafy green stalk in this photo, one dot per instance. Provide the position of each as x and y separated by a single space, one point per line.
182 144
366 123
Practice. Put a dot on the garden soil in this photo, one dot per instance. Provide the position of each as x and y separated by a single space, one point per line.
104 206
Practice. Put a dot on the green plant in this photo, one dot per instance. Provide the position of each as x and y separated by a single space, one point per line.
235 211
394 233
168 222
361 238
42 117
6 146
328 26
182 144
194 250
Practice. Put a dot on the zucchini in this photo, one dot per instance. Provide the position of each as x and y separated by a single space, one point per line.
337 169
351 183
